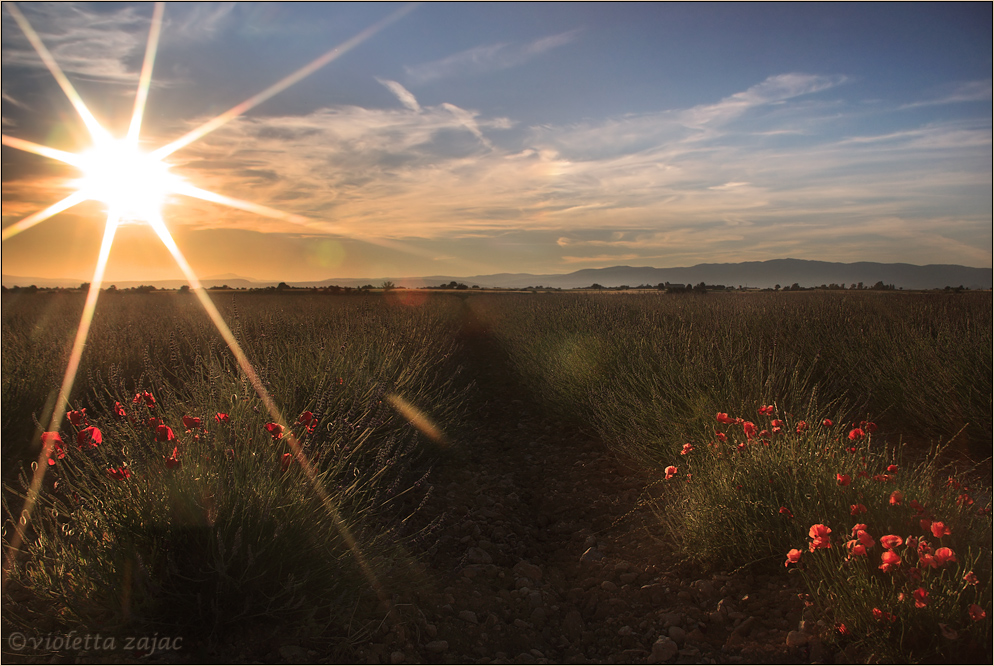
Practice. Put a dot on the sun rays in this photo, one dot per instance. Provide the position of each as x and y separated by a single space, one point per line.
134 185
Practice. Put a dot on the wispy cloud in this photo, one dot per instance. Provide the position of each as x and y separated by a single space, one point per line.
488 58
197 21
403 94
106 46
970 91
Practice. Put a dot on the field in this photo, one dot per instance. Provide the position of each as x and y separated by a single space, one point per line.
836 444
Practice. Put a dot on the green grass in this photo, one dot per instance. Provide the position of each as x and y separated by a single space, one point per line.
650 372
233 536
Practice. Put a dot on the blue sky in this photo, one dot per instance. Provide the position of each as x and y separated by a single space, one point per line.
477 138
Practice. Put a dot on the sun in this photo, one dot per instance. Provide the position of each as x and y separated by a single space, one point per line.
133 184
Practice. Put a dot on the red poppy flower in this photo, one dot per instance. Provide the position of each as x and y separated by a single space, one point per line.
856 509
221 417
119 410
78 418
172 462
883 615
890 559
53 441
970 578
891 541
827 423
766 410
786 512
856 549
153 422
306 418
720 436
820 537
843 479
856 433
919 509
670 472
896 498
921 597
275 430
801 427
88 438
191 422
119 473
687 448
891 468
285 461
944 556
865 539
964 500
723 418
843 629
164 433
869 426
857 527
793 557
976 613
750 429
939 529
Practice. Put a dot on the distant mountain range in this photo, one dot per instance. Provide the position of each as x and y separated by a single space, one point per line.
784 272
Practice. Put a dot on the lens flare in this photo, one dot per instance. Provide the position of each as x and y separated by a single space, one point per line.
134 185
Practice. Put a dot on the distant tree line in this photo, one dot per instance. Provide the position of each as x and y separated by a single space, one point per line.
283 287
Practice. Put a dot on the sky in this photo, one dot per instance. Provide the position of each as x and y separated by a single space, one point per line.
468 139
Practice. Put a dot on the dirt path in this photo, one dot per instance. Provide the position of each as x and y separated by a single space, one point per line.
545 554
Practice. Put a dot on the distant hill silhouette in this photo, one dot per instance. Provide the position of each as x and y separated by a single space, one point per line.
784 272
762 274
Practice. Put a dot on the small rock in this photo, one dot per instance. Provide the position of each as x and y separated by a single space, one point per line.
397 657
431 630
663 650
573 625
704 587
479 556
797 639
625 631
527 570
677 635
437 646
746 626
468 616
608 586
538 616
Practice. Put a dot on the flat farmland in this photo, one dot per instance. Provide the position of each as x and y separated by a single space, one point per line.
495 477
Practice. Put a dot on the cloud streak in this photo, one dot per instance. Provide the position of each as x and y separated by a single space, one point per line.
487 58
